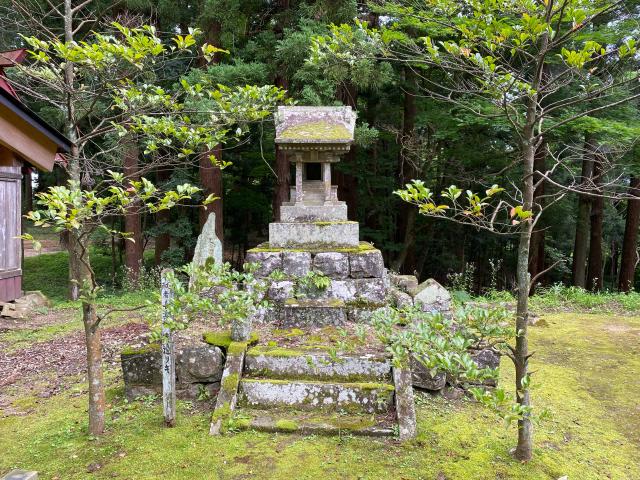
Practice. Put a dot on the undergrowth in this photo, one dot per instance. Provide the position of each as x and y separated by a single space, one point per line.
562 297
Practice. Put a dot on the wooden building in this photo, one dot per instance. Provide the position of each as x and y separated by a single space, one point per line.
25 141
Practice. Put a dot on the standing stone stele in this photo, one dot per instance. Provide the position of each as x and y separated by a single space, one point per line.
208 244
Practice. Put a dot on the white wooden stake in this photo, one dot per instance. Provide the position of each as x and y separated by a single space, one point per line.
168 356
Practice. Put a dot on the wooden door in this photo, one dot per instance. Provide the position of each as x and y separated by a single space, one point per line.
10 229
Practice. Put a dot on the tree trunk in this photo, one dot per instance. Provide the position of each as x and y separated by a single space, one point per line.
405 226
28 191
94 369
537 255
524 448
93 341
595 267
73 168
283 169
211 175
629 256
132 221
581 243
163 239
211 181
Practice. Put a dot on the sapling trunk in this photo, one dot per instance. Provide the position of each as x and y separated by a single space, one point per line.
524 449
94 368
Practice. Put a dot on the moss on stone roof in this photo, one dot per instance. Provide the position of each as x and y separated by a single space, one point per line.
321 130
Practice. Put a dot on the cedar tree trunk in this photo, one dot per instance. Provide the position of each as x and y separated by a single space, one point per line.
163 239
595 267
211 181
132 222
630 242
347 181
581 242
406 223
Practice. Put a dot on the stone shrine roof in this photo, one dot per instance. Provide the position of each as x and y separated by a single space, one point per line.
318 127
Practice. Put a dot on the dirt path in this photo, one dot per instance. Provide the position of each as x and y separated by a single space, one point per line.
43 369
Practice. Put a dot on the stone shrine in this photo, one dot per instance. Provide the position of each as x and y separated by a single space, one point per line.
314 234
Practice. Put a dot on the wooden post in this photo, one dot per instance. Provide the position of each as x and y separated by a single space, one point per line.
168 356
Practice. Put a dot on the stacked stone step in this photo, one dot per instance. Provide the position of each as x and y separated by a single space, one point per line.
359 284
302 390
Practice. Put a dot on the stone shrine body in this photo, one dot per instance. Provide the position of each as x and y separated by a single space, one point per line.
313 233
313 138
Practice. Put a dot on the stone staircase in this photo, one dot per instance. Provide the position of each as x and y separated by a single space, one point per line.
314 391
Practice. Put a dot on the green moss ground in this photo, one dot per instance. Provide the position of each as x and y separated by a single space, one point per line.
587 374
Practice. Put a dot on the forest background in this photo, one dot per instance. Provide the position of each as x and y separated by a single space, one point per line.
402 134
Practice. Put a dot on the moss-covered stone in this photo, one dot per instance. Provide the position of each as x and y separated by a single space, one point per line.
364 304
275 351
320 130
223 339
236 348
361 248
149 348
230 383
222 412
288 332
287 425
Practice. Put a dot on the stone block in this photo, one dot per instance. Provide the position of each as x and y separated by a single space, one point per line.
341 234
342 290
281 290
432 297
372 290
142 366
332 264
272 314
313 313
276 363
21 475
486 358
35 299
296 264
406 283
313 213
16 310
361 314
405 404
422 378
269 261
368 264
302 395
400 299
201 364
228 395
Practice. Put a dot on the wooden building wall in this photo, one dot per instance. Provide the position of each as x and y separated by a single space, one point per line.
10 226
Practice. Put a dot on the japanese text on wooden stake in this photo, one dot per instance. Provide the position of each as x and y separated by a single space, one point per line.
168 356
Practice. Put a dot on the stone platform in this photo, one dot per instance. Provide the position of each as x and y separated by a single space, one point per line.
311 392
358 283
308 234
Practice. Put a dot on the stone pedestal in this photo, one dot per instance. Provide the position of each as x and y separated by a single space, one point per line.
314 234
339 234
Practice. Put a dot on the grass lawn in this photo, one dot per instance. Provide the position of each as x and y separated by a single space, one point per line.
586 369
